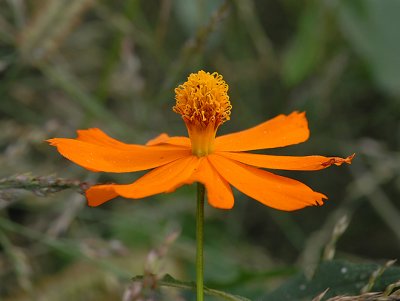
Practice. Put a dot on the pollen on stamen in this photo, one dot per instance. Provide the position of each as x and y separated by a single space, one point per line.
203 99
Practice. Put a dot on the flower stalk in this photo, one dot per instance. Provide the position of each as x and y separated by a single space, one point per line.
199 241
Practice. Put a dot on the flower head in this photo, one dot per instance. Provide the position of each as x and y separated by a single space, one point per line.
217 162
204 104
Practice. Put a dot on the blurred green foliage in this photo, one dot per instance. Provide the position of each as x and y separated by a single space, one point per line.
72 64
342 278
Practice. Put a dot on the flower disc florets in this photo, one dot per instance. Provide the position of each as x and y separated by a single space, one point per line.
203 99
204 104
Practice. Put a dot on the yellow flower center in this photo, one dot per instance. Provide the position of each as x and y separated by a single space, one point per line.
204 104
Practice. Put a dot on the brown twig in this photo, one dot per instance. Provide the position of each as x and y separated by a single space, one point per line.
40 185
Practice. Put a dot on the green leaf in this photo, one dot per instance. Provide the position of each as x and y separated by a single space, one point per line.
169 281
340 277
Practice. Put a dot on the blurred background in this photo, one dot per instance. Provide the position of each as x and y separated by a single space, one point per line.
74 64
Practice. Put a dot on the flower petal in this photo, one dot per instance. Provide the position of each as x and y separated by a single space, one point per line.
280 131
99 194
98 157
163 179
165 139
166 178
272 190
98 137
287 162
219 192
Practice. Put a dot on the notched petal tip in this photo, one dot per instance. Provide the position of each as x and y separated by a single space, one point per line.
88 130
52 142
349 159
301 114
338 161
321 200
81 134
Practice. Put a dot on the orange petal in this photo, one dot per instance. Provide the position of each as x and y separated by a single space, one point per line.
272 190
287 162
97 157
280 131
167 179
98 137
165 139
162 179
99 194
219 192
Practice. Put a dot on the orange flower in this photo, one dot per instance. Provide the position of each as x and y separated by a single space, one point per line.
217 162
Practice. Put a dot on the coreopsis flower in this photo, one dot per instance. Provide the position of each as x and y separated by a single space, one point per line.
217 162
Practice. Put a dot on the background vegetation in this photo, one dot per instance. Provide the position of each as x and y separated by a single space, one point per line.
73 64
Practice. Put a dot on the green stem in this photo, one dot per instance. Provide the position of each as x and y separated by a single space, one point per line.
199 239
